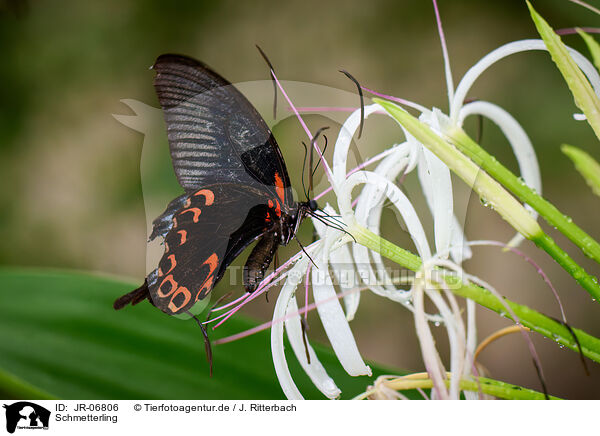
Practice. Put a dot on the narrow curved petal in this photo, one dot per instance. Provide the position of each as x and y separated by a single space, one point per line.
342 266
515 47
344 139
436 183
520 143
431 358
287 293
314 369
334 321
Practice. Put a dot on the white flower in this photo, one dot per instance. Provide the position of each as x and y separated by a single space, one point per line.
355 262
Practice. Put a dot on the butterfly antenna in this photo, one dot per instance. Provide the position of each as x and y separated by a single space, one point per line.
304 168
362 100
207 347
322 153
334 218
262 53
312 146
329 220
332 225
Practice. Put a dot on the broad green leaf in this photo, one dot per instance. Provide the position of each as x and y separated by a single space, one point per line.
582 91
593 47
60 337
587 166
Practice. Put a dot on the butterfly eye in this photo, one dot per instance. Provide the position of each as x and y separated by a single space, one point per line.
312 204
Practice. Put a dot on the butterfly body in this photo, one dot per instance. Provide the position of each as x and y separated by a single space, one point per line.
236 185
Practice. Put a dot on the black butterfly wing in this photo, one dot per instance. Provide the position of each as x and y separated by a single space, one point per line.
215 134
212 228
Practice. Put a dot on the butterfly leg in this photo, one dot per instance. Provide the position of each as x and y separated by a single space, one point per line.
207 347
259 260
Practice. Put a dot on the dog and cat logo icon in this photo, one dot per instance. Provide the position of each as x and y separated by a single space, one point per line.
26 415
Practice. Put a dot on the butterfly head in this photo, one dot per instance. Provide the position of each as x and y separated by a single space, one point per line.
292 221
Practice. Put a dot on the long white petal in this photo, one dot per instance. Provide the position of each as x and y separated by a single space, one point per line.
334 321
343 268
435 180
501 52
314 369
430 355
287 293
520 143
342 144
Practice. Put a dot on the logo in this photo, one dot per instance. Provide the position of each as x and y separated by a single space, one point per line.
26 415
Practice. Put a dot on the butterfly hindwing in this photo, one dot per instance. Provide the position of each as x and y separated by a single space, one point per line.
214 225
215 134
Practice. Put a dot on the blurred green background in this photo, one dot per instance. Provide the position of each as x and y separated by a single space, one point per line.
70 182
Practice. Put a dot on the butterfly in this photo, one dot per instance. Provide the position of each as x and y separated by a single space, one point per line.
236 189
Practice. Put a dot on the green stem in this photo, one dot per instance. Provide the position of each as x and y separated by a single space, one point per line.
484 385
536 321
542 324
547 210
469 170
504 390
587 281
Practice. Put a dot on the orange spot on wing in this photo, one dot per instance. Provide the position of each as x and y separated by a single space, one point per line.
279 188
187 296
212 262
187 203
194 210
173 263
174 285
278 209
183 234
206 288
208 195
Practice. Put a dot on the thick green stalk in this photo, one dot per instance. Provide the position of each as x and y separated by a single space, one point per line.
491 191
542 324
536 321
547 210
484 385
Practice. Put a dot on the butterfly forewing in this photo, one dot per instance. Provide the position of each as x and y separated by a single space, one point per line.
215 134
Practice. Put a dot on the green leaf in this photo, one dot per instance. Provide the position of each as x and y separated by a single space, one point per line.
593 47
586 165
582 91
61 338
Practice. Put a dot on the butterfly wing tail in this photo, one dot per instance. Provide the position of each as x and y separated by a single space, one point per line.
134 297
